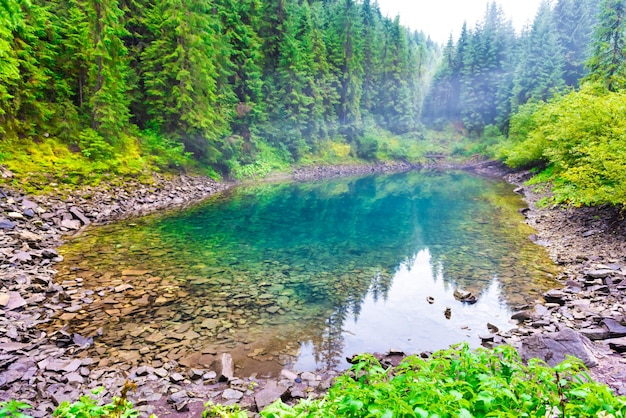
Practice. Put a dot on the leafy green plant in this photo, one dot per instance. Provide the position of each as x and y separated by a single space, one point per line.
212 410
13 409
88 406
460 382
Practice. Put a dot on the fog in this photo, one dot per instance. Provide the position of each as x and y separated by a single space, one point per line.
440 18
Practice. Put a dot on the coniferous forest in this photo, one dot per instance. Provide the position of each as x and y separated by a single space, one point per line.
241 88
222 80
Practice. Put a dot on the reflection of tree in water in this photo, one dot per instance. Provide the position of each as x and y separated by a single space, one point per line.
489 240
329 349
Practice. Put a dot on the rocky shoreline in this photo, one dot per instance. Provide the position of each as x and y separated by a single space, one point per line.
590 244
586 317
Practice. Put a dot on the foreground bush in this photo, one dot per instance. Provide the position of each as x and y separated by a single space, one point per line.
451 383
462 383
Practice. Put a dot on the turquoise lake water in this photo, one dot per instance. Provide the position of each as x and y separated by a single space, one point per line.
301 275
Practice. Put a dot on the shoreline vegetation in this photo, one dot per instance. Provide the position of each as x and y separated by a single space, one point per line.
587 242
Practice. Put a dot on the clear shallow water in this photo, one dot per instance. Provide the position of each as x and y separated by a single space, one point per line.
304 274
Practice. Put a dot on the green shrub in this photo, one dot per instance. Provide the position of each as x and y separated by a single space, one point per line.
461 383
583 135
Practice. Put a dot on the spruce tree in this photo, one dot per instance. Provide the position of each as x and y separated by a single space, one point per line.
539 74
608 61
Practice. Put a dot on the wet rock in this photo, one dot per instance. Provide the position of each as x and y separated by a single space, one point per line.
492 328
554 347
270 393
522 316
464 296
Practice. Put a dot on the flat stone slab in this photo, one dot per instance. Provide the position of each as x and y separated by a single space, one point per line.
616 330
232 394
617 344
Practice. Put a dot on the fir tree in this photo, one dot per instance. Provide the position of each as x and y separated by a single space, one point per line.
608 62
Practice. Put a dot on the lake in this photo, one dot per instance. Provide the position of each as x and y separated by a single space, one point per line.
301 275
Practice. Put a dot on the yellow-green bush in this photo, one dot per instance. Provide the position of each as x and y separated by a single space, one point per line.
583 136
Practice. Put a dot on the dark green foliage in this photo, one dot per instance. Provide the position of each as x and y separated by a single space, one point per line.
539 74
608 62
221 78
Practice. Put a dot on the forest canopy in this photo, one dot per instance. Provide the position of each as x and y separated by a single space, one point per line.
226 82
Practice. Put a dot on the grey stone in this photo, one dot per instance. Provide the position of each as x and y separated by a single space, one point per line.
6 224
555 296
79 215
178 397
14 301
599 274
616 330
70 224
554 347
595 334
521 316
232 394
161 372
288 374
22 256
270 393
617 344
176 378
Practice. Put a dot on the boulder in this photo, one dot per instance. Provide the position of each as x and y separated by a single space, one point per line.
554 347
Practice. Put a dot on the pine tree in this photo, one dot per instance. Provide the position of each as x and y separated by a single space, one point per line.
575 20
29 92
239 20
181 77
347 25
608 62
539 74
